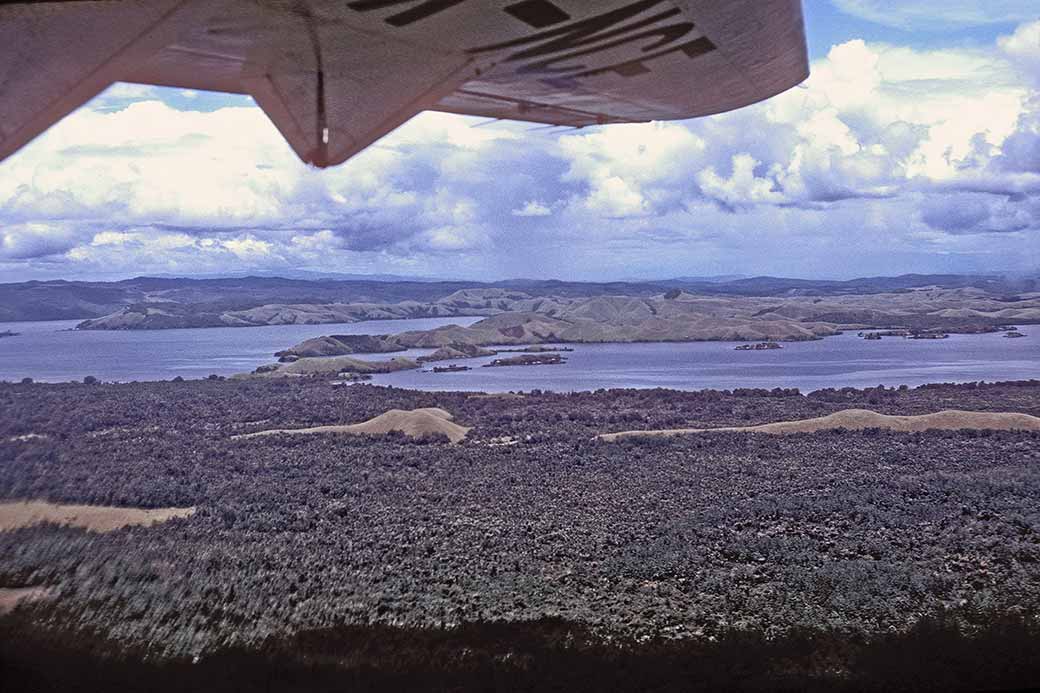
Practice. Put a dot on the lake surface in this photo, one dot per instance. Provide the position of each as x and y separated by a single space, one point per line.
842 361
54 352
47 351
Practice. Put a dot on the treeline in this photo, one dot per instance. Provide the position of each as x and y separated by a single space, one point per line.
937 654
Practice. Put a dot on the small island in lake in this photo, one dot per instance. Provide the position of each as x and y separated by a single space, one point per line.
339 367
528 360
874 336
761 346
453 368
1013 334
351 377
536 349
9 333
456 351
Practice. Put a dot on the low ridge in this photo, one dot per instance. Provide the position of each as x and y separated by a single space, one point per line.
858 419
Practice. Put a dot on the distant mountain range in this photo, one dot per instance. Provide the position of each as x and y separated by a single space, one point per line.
713 279
306 275
780 286
154 302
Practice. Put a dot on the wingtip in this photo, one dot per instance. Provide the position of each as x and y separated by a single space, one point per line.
318 158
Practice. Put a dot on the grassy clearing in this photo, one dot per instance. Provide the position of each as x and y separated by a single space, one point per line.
94 518
860 419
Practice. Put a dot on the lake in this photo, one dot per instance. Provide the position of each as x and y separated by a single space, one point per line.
55 352
842 361
47 351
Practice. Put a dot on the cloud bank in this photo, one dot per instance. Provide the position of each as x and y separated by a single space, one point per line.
888 159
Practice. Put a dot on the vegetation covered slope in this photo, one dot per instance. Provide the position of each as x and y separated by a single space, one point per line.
856 532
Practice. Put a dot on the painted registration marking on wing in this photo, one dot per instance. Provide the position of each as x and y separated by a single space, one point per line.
621 41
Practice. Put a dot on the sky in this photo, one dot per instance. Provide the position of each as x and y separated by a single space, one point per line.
914 146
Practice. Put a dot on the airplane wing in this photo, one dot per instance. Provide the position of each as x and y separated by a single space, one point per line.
336 75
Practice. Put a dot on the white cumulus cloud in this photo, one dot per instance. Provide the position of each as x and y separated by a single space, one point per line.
532 208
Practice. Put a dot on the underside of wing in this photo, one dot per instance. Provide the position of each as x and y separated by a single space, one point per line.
56 56
335 75
330 86
597 63
490 104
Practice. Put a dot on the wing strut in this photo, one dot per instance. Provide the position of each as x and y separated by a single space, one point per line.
320 156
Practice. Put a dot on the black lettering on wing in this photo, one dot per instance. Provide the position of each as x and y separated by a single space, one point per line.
581 33
537 13
425 9
553 52
631 68
667 35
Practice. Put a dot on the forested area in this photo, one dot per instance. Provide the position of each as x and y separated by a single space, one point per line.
690 538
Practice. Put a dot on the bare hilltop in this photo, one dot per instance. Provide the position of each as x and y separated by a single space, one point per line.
680 316
414 423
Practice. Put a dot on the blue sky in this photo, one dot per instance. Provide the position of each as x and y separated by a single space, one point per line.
920 25
913 147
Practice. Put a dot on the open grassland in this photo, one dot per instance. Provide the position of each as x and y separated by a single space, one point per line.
418 423
852 536
10 597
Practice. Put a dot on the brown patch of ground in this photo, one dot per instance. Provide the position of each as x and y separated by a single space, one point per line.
857 419
414 422
11 596
95 518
